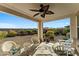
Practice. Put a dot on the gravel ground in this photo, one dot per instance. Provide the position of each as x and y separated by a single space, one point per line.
18 39
21 40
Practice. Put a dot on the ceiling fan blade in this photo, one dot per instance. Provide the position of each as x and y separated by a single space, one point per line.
50 12
36 14
34 10
45 10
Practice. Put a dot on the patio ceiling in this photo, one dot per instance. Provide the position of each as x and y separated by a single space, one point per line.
61 10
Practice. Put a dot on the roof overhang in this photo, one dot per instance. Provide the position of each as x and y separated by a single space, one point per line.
61 10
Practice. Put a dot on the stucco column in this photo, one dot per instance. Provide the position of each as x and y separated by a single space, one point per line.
40 31
73 30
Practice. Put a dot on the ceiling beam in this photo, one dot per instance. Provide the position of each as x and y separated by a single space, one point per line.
61 17
14 12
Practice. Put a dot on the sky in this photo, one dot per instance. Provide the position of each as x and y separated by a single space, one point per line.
11 21
58 23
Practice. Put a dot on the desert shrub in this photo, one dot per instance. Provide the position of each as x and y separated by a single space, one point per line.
50 35
26 32
12 33
65 31
22 33
30 32
3 34
34 31
56 32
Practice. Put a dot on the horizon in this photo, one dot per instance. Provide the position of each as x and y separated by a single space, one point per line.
11 21
34 28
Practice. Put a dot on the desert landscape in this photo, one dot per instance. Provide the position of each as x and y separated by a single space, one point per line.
27 37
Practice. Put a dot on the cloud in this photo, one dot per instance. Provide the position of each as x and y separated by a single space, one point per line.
9 25
6 25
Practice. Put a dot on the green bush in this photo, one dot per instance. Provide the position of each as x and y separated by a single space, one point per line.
22 33
57 32
27 32
65 31
12 33
34 31
3 35
30 32
50 35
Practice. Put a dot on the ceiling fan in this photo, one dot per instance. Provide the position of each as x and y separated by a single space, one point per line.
43 11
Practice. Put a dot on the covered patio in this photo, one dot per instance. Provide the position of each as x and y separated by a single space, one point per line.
61 11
